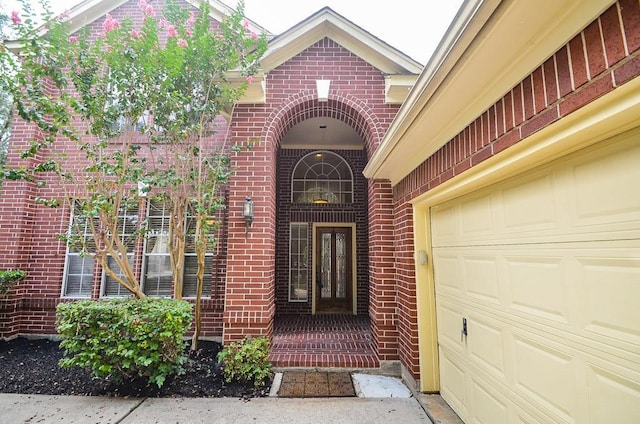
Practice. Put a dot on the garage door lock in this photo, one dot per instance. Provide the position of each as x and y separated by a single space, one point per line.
463 333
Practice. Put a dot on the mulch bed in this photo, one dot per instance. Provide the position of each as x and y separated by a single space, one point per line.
31 367
307 384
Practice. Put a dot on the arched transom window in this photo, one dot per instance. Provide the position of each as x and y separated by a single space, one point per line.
322 177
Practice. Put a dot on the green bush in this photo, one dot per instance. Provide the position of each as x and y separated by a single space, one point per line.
247 361
10 277
125 338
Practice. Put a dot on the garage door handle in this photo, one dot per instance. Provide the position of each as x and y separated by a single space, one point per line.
463 333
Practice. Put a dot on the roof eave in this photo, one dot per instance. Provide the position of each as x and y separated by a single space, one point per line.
327 23
490 46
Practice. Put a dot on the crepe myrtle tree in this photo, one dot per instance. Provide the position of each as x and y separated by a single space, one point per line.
147 97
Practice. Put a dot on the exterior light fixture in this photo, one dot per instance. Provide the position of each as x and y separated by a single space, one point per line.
247 214
322 88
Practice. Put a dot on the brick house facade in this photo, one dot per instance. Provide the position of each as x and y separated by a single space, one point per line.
487 103
250 269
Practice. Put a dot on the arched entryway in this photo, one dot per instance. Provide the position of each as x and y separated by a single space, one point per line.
322 240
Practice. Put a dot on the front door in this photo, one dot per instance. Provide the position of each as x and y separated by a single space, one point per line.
334 277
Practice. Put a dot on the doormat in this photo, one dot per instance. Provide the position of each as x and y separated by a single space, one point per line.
313 384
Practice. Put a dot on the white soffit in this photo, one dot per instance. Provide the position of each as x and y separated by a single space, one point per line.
489 48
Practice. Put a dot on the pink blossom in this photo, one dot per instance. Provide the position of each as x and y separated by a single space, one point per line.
163 23
142 4
171 31
254 35
246 24
110 24
149 10
135 33
182 42
15 18
189 33
192 19
249 79
73 39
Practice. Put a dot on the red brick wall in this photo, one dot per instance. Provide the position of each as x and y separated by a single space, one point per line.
383 299
605 55
356 98
288 212
28 231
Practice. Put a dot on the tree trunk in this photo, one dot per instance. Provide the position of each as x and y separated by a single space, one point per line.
201 252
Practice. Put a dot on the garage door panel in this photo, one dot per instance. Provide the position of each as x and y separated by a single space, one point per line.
546 375
453 379
450 323
538 285
601 186
486 345
490 408
521 202
613 397
589 291
449 279
610 288
590 196
481 277
476 216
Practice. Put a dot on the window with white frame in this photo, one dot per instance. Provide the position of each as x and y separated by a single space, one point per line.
127 226
78 268
298 262
322 177
158 275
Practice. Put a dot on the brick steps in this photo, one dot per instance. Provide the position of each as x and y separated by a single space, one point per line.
324 341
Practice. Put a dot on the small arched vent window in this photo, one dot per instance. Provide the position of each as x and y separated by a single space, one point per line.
322 177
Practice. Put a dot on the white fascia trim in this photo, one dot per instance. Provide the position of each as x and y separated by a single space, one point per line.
465 26
327 23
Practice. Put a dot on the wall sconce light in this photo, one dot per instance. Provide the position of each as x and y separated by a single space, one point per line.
247 214
422 257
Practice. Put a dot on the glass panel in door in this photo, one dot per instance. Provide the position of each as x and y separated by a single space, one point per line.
334 269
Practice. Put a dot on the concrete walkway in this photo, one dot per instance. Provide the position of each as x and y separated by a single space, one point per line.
380 400
16 409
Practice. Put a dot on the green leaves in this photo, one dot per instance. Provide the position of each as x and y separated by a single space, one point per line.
125 338
9 278
247 361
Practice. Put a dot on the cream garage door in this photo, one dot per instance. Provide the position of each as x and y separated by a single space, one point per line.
545 268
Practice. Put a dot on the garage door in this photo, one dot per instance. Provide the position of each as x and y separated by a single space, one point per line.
545 269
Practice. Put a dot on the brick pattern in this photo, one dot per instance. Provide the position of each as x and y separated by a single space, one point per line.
288 212
245 270
28 232
382 285
605 55
324 341
356 98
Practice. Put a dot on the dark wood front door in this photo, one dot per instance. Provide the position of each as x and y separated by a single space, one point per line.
334 279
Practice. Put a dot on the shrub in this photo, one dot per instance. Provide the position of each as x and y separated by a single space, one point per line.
247 361
9 278
125 338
